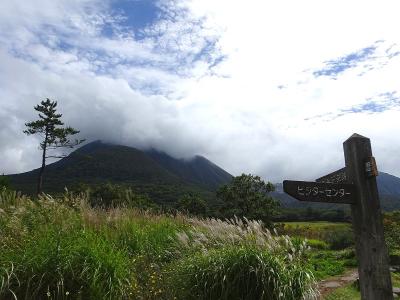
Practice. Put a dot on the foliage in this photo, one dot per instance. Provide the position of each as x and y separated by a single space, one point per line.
247 196
317 244
63 248
47 251
240 260
348 292
192 204
240 273
312 214
49 128
340 240
4 182
110 195
327 263
336 235
391 224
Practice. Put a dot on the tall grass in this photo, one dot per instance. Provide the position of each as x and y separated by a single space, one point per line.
47 252
240 273
240 260
62 248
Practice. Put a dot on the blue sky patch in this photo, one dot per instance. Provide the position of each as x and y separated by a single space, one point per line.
378 104
137 14
336 66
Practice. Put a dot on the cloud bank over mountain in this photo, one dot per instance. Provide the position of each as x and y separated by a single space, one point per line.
268 88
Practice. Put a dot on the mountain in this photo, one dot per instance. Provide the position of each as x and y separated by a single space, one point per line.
388 184
197 170
388 187
156 173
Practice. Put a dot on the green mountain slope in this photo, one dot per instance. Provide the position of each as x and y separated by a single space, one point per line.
161 176
197 170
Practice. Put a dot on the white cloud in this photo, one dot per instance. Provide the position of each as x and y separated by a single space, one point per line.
157 92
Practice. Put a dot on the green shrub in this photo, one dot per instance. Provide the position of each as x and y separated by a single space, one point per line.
391 223
192 204
152 239
4 182
340 240
109 195
75 263
317 244
326 263
239 273
237 259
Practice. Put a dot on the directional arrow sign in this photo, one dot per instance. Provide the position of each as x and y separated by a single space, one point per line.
321 192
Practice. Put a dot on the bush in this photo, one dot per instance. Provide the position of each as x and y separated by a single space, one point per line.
317 244
51 254
111 196
326 264
330 263
247 196
239 260
4 182
74 265
192 204
340 240
240 273
391 224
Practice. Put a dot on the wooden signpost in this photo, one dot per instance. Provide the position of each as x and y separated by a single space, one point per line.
356 185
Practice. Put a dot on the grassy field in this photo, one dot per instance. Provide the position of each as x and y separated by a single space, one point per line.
64 249
351 293
334 252
333 233
332 245
316 224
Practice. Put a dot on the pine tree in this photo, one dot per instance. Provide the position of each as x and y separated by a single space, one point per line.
54 136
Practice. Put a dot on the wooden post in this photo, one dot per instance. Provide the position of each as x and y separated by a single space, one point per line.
371 250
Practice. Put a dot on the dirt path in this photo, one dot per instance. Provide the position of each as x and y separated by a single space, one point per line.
328 285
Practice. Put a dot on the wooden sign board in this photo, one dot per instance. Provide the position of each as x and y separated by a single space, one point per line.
338 176
320 192
361 169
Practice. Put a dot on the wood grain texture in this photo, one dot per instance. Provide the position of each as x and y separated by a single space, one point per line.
372 254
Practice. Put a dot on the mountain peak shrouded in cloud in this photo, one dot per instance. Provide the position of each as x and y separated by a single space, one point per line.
148 171
222 79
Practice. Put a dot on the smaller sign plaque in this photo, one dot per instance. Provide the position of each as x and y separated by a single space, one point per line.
321 192
370 167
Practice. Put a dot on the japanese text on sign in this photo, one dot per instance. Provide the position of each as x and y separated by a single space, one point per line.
316 191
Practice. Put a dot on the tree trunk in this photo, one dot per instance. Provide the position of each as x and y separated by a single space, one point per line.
41 171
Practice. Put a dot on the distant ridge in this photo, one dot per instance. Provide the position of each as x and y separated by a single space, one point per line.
388 184
155 173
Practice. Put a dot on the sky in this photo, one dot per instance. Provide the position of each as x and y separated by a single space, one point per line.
271 88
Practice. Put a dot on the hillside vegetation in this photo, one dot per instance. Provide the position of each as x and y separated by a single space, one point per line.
162 177
61 248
